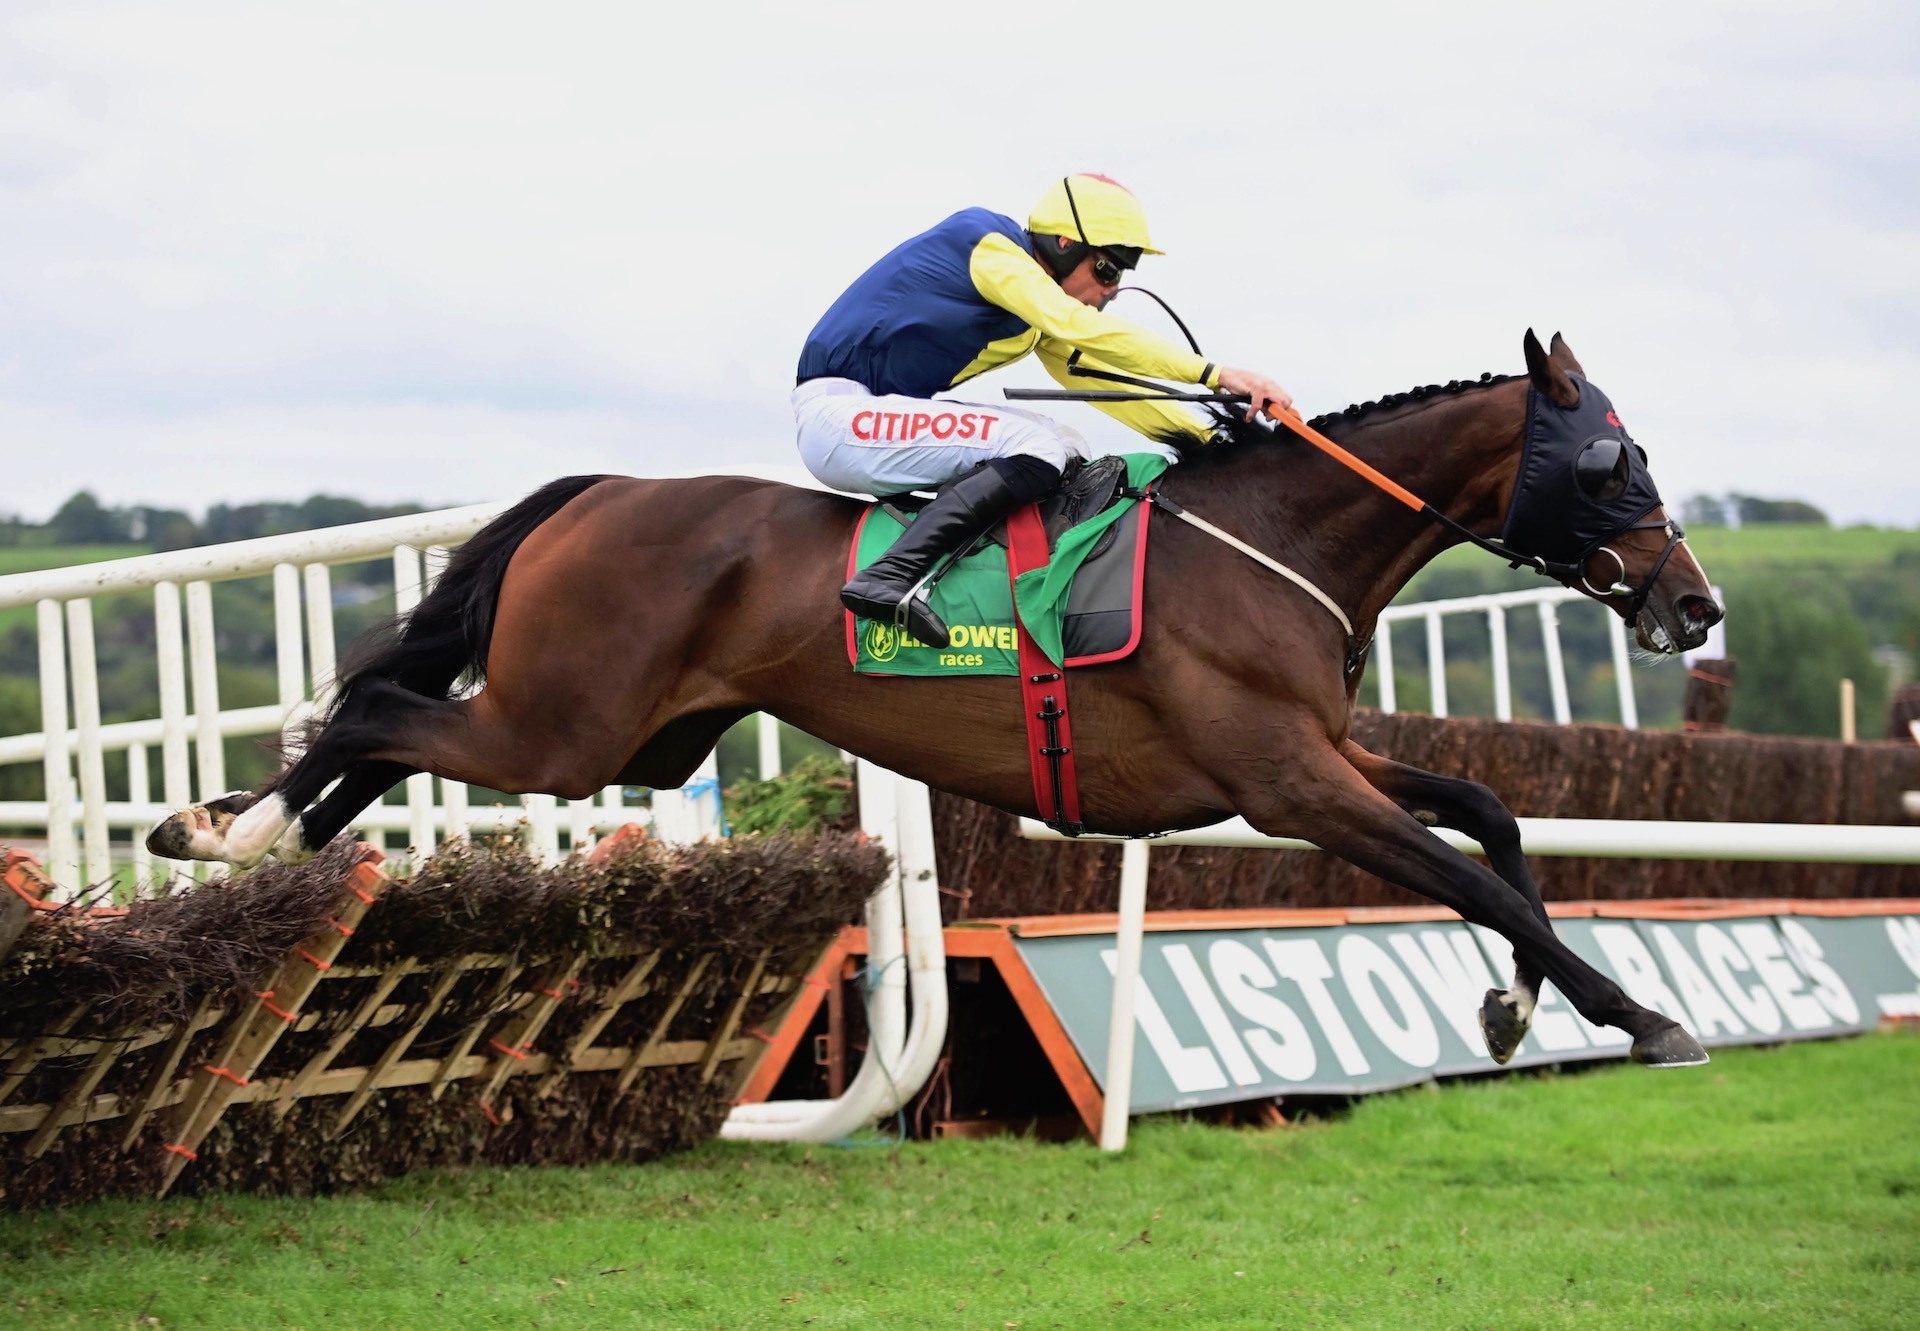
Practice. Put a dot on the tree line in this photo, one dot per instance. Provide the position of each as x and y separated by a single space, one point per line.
84 520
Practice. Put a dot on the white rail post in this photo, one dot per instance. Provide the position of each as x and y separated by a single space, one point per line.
204 668
320 646
613 801
289 651
769 746
1117 1093
420 811
1383 663
139 791
1436 664
92 759
176 771
708 810
1502 676
543 827
63 861
1556 667
1622 671
581 816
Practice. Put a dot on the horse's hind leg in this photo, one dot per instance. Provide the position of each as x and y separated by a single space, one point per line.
359 786
1470 808
1328 802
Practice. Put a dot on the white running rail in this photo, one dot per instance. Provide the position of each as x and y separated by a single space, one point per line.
1545 602
1596 837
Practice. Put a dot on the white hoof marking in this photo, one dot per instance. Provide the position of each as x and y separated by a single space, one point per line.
291 848
254 832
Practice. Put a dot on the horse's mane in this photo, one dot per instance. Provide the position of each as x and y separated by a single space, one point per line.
1240 432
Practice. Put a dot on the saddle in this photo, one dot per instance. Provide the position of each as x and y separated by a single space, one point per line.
1085 490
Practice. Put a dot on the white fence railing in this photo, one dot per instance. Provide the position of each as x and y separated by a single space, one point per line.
189 726
1545 603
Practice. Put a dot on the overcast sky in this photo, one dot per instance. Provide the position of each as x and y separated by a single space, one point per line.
446 252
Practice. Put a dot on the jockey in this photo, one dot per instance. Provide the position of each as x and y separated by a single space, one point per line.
976 292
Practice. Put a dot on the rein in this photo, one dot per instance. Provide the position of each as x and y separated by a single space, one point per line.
1569 571
1148 390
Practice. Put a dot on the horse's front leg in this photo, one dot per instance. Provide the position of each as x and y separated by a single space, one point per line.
1328 802
1470 808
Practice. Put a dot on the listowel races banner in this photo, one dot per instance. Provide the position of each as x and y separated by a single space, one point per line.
1240 1013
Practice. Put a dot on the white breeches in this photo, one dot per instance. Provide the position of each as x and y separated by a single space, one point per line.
854 441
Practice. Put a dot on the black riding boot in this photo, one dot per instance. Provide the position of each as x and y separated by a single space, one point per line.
956 517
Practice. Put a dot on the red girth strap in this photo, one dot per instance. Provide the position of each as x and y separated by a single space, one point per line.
1043 690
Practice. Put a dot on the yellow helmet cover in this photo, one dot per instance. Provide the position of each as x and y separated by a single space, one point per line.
1107 213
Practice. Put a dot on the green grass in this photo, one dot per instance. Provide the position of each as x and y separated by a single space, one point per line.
30 559
1777 1188
1782 547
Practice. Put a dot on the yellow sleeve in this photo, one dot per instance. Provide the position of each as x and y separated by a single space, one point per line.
1168 422
1014 280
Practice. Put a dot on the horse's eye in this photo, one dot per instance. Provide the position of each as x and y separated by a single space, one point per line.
1600 469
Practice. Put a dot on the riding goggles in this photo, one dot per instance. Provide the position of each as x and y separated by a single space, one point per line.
1110 267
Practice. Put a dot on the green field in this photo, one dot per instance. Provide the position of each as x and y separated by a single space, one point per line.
1731 551
1775 1188
29 559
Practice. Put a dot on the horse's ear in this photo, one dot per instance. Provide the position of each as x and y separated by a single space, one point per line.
1562 355
1547 376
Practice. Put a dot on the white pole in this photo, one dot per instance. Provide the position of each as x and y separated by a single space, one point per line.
1556 667
203 669
289 652
1502 675
769 746
139 791
176 772
581 816
706 805
543 827
1847 733
1383 664
1619 839
1118 1090
1622 672
1436 664
420 810
63 862
320 647
86 719
453 805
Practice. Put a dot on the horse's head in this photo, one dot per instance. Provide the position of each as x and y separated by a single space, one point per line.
1585 504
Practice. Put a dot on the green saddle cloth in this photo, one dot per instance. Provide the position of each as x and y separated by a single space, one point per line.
975 601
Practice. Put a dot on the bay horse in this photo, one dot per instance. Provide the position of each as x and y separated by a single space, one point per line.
621 625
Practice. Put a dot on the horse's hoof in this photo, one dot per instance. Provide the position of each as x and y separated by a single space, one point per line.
199 833
1502 1025
1669 1047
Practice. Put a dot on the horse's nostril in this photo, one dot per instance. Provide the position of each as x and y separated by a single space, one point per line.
1700 611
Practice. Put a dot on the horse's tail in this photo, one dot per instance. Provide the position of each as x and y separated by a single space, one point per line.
429 648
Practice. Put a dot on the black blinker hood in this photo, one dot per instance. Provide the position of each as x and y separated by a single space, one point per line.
1550 515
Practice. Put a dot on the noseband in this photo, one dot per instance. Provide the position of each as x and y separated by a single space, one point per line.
1621 587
